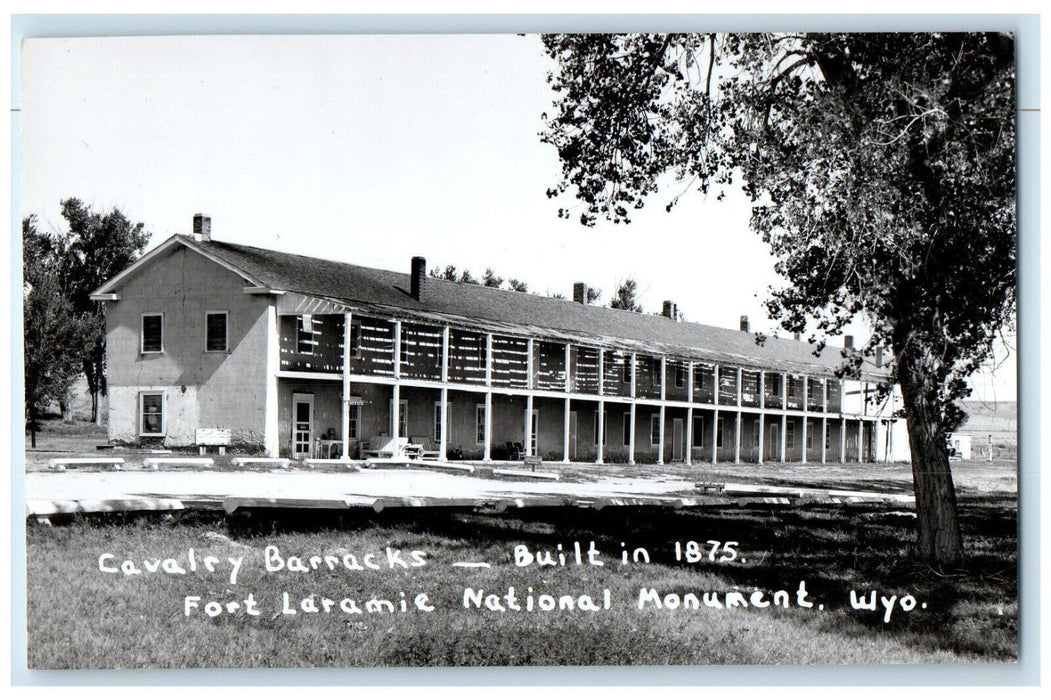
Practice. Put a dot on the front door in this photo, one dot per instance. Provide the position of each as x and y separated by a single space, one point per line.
302 425
773 445
676 439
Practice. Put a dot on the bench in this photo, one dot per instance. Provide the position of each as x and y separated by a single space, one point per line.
383 446
60 463
710 487
212 437
152 463
427 450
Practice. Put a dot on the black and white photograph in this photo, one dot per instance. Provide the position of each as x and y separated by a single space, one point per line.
520 349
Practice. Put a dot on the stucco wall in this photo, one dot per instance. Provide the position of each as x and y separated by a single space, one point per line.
201 389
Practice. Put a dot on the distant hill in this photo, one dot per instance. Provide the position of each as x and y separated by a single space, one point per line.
996 418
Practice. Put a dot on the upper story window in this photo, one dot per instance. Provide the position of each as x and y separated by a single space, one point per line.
215 329
627 370
305 334
680 376
152 338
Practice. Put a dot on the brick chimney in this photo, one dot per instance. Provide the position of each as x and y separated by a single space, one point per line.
795 336
848 342
580 292
670 310
202 227
745 326
879 357
418 275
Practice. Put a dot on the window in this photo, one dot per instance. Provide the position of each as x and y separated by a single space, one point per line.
755 434
719 434
627 429
627 370
151 414
354 413
698 431
680 376
655 430
809 435
479 423
437 422
655 371
793 387
215 335
305 334
790 435
828 436
774 382
152 333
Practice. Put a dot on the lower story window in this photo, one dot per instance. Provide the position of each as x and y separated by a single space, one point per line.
352 425
655 430
151 414
479 423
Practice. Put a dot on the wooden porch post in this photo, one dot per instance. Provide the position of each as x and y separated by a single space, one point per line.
660 441
631 434
689 413
715 434
345 417
600 437
443 446
565 433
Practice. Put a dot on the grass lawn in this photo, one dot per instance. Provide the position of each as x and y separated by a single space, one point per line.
81 617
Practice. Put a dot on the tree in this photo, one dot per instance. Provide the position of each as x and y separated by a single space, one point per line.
51 333
490 279
517 285
881 171
624 297
96 248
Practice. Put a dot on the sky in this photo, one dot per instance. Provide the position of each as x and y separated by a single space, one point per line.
369 150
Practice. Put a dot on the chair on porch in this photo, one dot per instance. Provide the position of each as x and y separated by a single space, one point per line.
515 451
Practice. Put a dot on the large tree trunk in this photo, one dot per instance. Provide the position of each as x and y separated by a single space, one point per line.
32 426
938 538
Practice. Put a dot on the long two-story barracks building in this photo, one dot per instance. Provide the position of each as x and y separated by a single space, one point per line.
291 353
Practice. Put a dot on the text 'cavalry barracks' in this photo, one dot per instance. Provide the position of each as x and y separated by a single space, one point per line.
303 357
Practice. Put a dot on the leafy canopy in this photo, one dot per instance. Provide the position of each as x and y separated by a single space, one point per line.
880 167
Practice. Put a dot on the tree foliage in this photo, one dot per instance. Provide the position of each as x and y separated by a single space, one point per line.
881 171
51 332
625 296
95 248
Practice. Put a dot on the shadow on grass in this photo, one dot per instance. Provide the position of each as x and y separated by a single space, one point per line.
972 610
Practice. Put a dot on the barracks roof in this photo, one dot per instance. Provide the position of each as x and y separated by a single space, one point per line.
503 309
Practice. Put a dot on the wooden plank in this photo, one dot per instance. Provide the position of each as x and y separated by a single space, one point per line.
106 505
154 462
231 505
523 474
62 462
271 461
